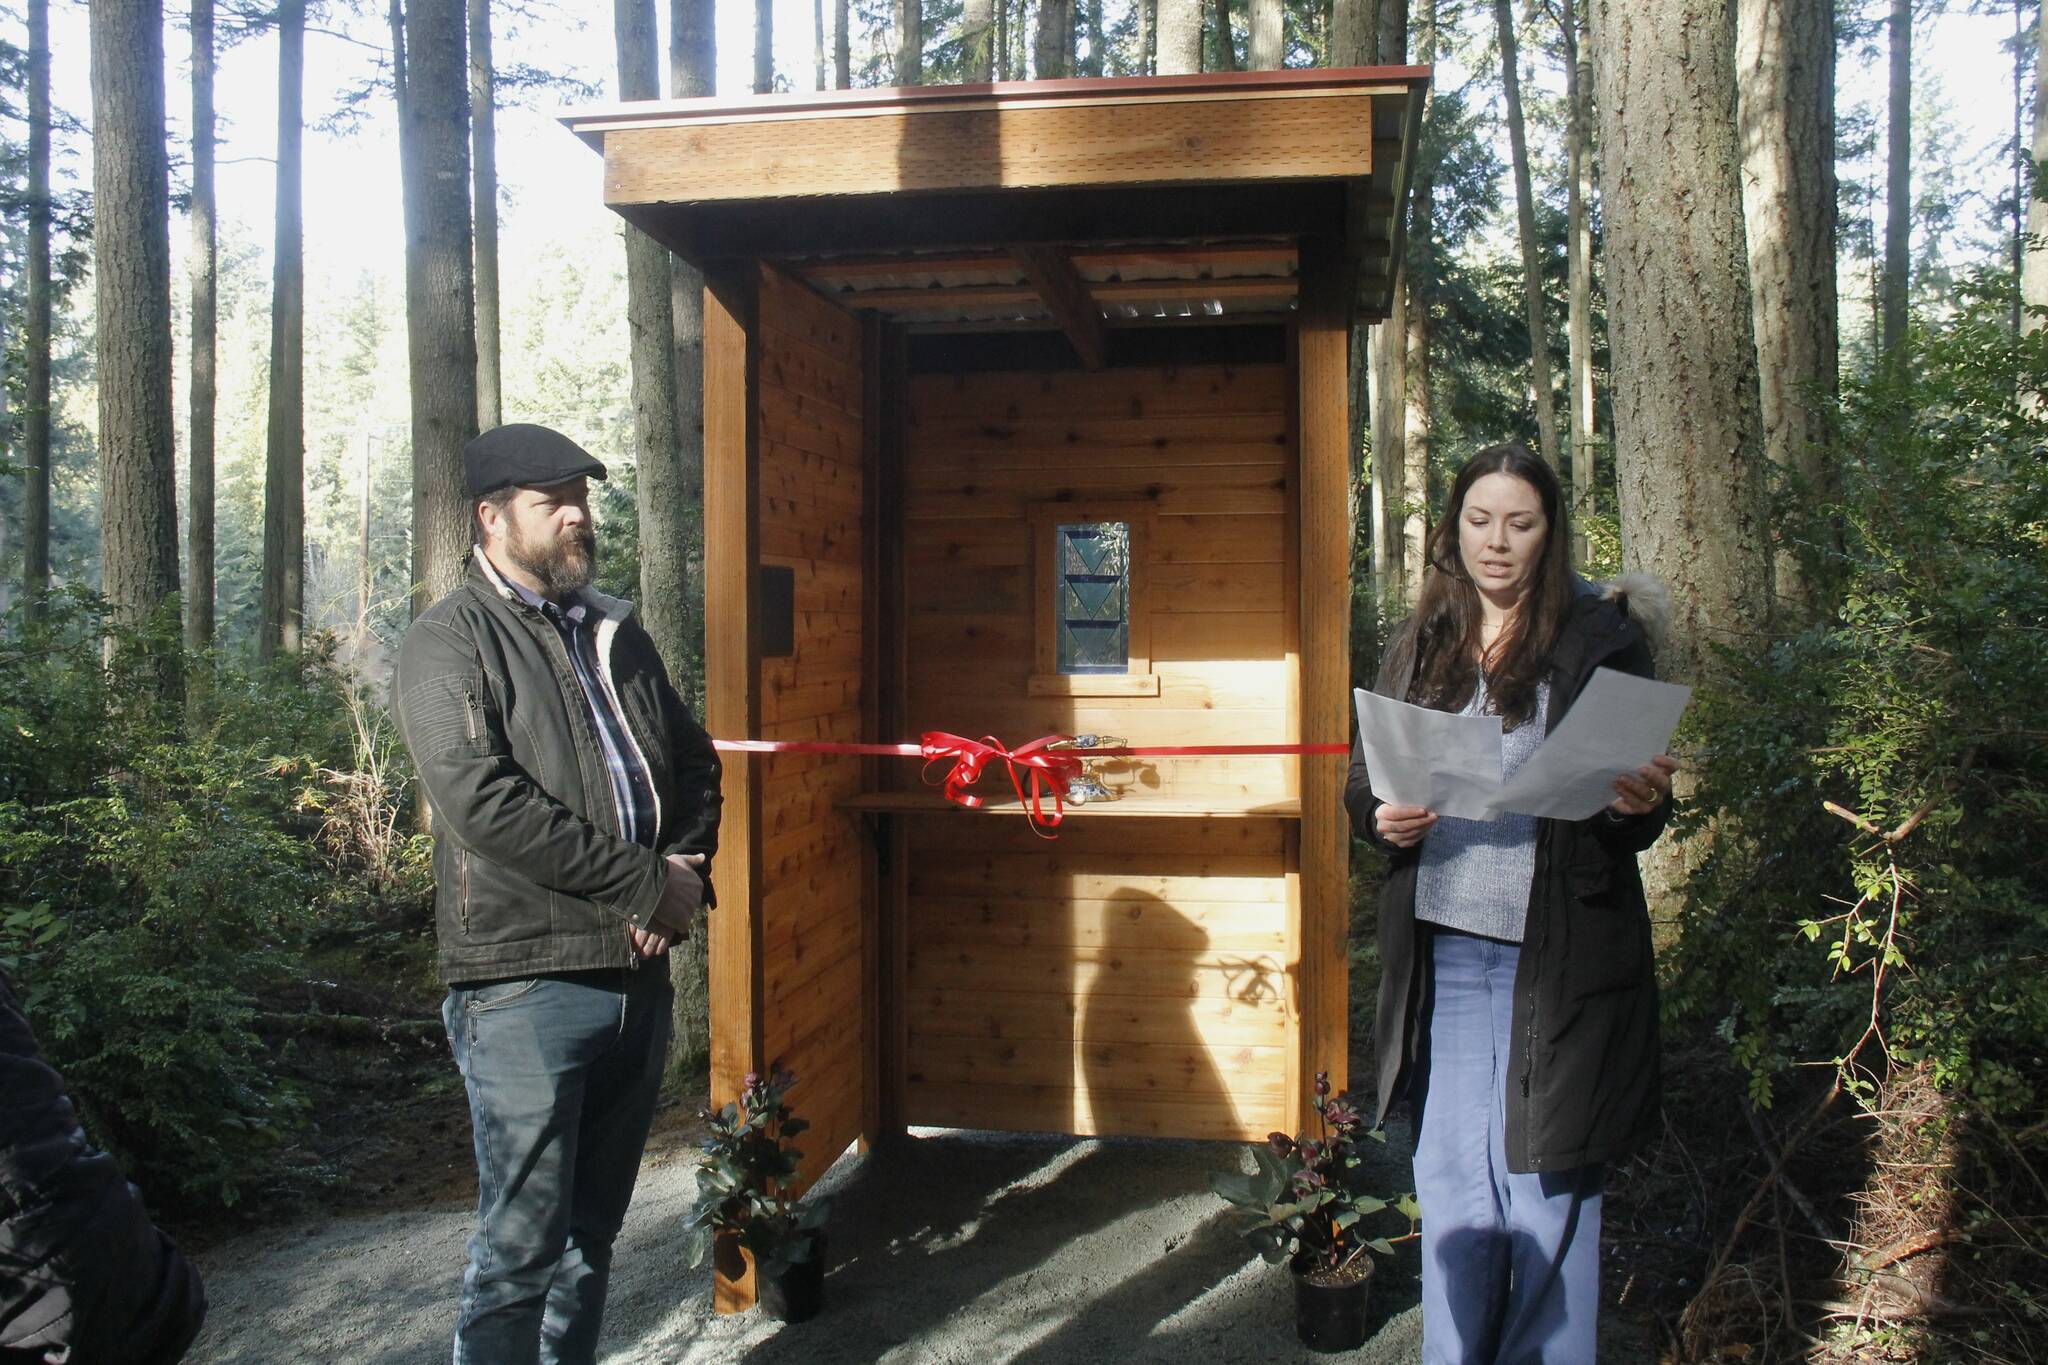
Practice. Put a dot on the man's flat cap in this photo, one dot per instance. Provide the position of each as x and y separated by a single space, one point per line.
523 453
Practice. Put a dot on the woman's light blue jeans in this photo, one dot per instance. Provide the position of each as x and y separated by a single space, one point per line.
1510 1263
562 1073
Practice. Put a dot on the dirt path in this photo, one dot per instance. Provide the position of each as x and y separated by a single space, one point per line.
955 1248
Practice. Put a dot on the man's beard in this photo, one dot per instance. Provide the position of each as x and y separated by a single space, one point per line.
566 566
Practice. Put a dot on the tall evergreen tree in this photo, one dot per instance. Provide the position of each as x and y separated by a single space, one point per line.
1053 47
908 17
2034 271
650 325
284 484
35 446
132 275
1578 93
1688 436
1179 24
204 272
1540 395
483 111
1785 99
431 72
1898 213
764 44
977 41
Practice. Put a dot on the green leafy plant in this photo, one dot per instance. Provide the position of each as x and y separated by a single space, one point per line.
747 1160
1309 1192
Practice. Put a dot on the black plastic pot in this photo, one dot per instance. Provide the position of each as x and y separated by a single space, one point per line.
798 1292
1331 1317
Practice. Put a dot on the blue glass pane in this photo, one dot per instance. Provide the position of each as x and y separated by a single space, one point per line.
1092 590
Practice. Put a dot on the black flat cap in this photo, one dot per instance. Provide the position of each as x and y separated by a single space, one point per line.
523 453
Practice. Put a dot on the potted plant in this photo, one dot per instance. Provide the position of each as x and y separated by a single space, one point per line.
1311 1201
746 1160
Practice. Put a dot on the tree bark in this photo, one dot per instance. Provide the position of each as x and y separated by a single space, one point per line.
1540 395
842 49
692 72
650 325
433 127
284 482
1264 44
1688 437
35 413
1351 42
1053 46
1418 277
977 40
204 274
1143 65
1226 44
764 44
1578 80
1180 36
2034 273
908 16
1407 528
821 45
132 277
1898 214
1785 99
483 108
1093 66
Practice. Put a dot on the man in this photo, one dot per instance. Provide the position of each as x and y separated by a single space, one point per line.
576 805
84 1276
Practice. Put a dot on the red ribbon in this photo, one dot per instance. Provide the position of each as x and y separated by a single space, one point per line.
1048 769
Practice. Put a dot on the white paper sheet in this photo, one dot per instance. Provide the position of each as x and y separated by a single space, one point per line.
1419 757
1617 725
1451 764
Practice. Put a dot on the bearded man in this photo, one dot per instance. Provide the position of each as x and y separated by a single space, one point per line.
576 809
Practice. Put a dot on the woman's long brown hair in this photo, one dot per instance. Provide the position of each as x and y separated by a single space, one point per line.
1448 618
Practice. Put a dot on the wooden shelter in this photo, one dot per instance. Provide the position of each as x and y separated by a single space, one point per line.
1026 411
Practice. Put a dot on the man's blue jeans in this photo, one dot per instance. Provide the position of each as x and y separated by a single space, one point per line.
562 1073
1510 1263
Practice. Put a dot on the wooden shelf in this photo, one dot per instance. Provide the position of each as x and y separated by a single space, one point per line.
1135 806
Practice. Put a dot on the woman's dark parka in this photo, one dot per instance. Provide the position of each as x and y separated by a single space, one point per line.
1583 1072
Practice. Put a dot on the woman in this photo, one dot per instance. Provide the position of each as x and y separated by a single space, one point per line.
1517 1010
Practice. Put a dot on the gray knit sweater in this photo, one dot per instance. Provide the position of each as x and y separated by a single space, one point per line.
1475 874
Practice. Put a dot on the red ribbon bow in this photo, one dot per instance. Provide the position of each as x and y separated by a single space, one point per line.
1049 769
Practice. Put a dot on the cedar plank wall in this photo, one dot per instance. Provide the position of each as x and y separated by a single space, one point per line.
1134 976
809 400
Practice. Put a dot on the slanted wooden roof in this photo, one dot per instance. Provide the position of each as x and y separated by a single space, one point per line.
1078 204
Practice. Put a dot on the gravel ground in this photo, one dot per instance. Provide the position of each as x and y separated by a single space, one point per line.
954 1247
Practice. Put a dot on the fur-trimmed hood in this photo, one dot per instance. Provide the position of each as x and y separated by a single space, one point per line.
1645 597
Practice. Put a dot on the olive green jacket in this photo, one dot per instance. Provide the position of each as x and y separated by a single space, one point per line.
531 874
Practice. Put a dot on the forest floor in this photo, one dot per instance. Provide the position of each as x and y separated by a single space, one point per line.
950 1247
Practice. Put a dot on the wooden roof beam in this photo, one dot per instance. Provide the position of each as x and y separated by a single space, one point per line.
1065 295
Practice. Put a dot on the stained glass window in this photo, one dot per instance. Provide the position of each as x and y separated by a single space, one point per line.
1092 580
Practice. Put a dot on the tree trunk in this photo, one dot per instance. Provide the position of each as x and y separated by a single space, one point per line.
693 71
842 49
1578 85
1898 214
650 325
1407 527
1540 395
1180 36
483 109
1263 47
1688 438
977 41
908 16
1418 276
132 275
1785 98
433 127
1143 65
1352 41
2034 274
284 482
821 45
1353 32
35 412
764 44
1093 66
1053 48
1226 45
